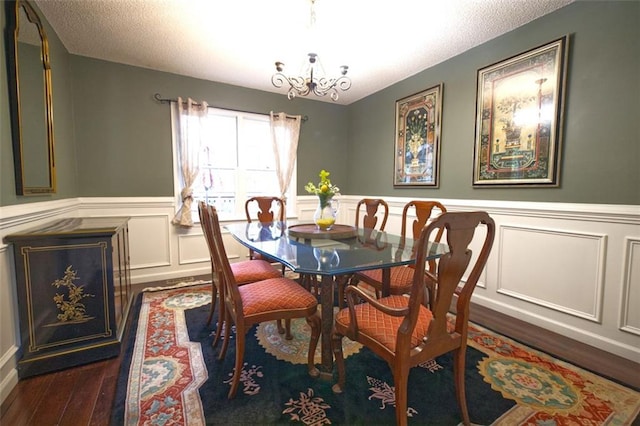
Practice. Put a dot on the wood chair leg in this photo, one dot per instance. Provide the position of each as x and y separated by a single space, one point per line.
304 281
287 326
401 381
225 342
221 321
214 298
286 330
216 337
237 372
336 344
458 375
310 283
315 323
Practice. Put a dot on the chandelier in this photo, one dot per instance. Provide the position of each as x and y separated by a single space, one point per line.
312 78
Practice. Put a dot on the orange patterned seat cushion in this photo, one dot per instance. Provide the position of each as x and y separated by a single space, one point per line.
382 327
401 278
249 271
275 294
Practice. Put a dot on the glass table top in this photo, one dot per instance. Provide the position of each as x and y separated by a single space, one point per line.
368 249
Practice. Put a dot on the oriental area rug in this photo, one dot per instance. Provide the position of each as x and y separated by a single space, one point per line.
170 375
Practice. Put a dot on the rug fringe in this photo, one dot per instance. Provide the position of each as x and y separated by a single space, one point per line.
179 285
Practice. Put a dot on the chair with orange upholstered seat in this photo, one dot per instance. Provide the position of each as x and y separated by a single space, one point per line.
264 210
371 216
406 331
402 276
245 271
266 300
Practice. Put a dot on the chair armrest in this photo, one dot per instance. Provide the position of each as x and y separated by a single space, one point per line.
349 292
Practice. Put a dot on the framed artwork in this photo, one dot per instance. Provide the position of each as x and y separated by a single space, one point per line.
519 117
417 140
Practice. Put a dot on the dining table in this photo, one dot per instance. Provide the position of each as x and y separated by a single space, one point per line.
331 254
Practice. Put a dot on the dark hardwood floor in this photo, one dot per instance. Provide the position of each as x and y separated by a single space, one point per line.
84 395
76 396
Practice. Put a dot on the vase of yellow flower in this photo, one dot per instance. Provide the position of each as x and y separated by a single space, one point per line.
327 210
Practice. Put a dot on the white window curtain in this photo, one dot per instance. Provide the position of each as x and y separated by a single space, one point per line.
190 124
285 131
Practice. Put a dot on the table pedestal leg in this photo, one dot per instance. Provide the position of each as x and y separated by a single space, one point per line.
326 300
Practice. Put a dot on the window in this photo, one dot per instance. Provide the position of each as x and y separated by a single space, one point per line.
236 162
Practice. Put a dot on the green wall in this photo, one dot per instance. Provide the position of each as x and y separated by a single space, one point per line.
124 135
601 157
114 139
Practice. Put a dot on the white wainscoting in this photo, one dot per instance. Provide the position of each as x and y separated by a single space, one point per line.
577 259
570 268
629 312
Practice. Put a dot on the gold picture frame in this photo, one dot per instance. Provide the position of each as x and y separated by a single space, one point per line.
417 138
519 118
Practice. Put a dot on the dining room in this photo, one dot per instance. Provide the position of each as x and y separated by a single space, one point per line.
565 260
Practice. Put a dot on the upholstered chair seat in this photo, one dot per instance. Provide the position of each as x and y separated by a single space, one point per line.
275 294
381 327
249 271
401 278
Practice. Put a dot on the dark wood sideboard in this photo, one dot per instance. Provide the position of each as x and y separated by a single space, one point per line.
74 291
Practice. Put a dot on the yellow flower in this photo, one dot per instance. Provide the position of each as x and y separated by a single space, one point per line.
324 188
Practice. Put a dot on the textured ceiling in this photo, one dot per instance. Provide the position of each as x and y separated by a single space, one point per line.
238 41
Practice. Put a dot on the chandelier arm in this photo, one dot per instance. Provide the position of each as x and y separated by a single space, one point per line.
298 84
342 83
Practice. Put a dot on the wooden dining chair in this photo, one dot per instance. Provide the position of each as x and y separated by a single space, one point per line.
244 271
371 215
266 300
402 276
264 210
374 210
405 331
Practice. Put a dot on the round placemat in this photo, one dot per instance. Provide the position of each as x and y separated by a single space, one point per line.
311 231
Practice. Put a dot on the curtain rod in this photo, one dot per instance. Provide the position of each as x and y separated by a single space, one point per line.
162 100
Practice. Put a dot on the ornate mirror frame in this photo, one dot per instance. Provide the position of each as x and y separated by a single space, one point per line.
31 100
